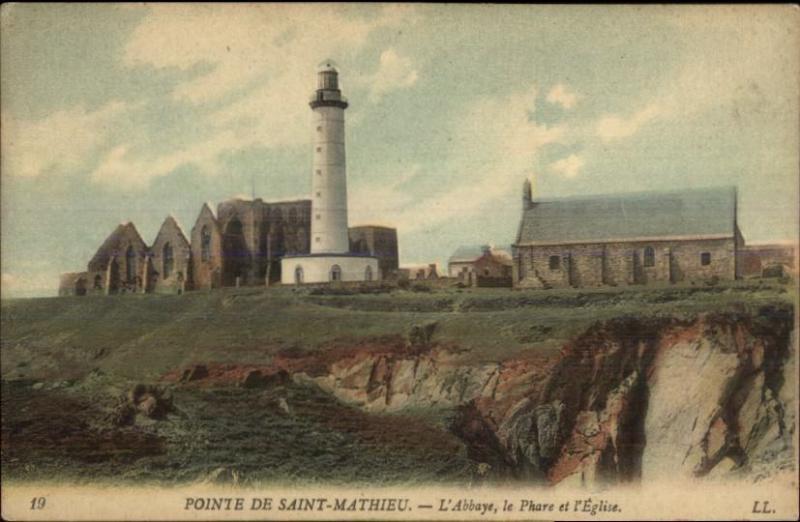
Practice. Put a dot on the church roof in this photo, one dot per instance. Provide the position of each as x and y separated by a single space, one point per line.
709 212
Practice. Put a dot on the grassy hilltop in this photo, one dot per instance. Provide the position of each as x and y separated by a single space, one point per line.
67 363
142 337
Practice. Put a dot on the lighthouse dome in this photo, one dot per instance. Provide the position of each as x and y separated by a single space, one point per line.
327 66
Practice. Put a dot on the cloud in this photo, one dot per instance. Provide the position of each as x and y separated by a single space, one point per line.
394 72
495 147
611 128
250 73
123 169
568 167
28 284
239 45
560 95
63 141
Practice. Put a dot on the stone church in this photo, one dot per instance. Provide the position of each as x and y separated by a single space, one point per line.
628 239
241 244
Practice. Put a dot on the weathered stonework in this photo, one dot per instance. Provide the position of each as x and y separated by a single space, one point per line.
380 242
620 263
628 239
170 260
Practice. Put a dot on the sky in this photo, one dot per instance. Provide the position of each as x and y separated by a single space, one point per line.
115 113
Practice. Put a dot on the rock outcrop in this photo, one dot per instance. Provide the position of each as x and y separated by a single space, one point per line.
629 399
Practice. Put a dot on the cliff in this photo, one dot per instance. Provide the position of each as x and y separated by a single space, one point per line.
551 388
628 399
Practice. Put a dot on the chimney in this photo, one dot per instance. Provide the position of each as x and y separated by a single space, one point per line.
527 197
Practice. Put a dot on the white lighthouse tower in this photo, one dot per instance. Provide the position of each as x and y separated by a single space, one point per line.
329 175
330 258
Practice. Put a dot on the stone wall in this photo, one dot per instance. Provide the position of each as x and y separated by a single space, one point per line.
380 242
624 263
206 266
170 274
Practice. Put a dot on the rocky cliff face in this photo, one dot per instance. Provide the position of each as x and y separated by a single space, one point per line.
629 399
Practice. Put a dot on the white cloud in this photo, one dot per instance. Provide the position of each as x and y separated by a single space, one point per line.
495 146
122 168
255 68
568 167
28 284
611 128
560 95
394 72
62 141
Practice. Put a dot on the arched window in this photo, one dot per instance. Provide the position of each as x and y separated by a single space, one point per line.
298 275
130 264
336 273
98 282
368 273
649 256
167 260
205 244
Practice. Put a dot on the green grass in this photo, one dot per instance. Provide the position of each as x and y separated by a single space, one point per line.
142 337
65 362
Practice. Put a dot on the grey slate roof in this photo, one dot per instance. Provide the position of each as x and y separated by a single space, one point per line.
685 213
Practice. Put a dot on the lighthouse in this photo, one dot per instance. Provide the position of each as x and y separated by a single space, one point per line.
330 259
329 174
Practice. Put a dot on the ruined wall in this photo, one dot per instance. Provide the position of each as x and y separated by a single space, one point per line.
73 283
170 260
206 265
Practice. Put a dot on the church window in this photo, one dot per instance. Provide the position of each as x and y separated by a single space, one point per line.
554 262
98 282
336 273
705 258
205 244
167 260
130 264
368 273
649 256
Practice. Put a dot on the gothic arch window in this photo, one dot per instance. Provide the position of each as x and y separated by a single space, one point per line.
649 256
205 244
167 260
130 264
298 275
368 273
336 273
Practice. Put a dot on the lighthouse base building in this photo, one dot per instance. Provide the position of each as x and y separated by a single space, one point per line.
325 268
